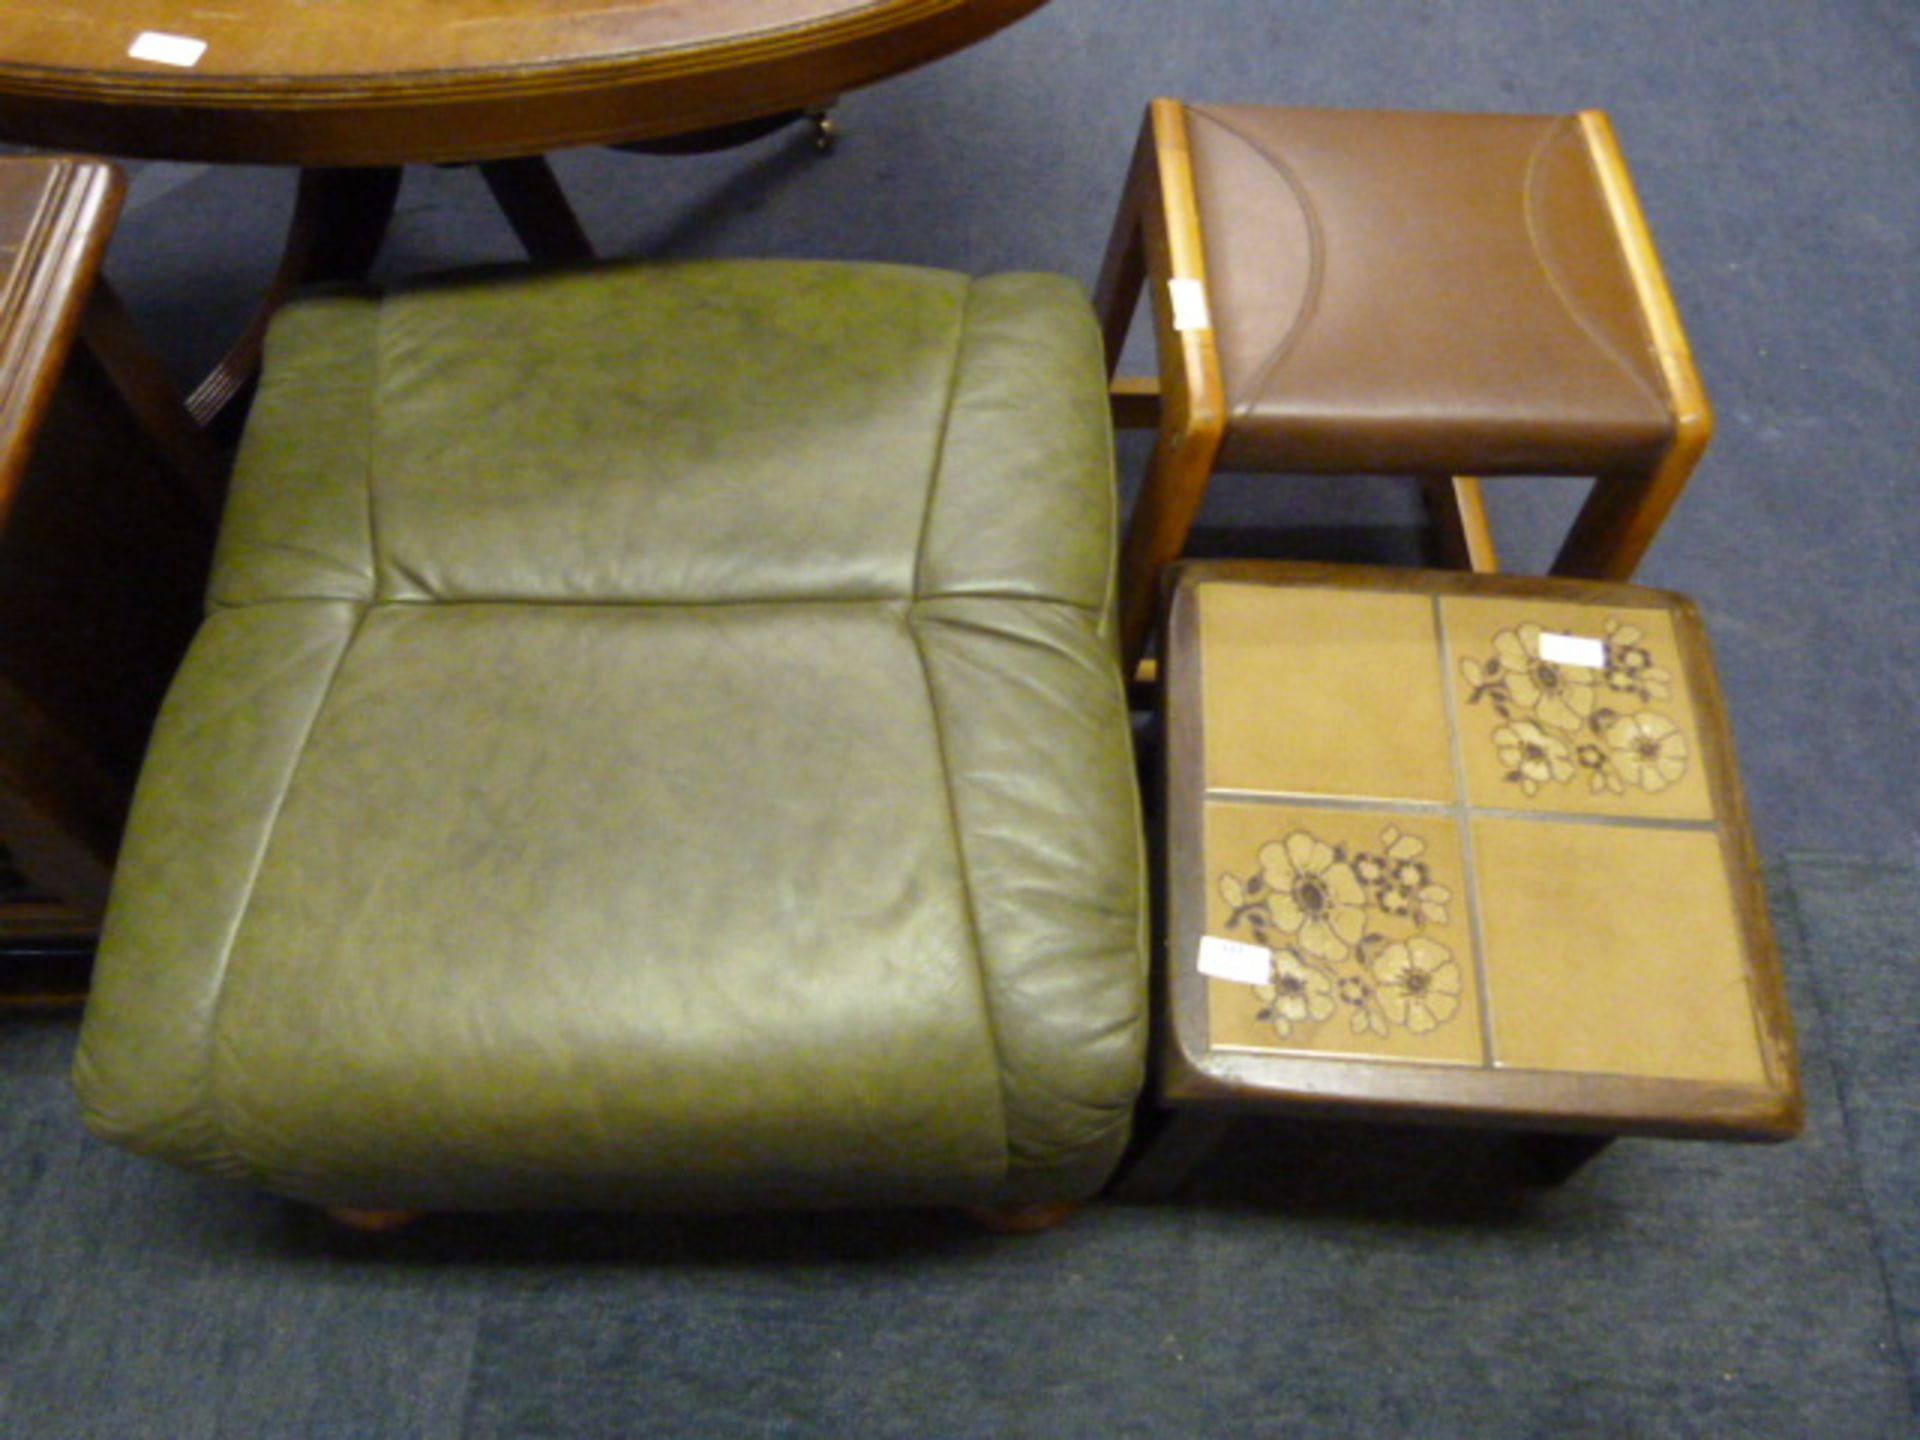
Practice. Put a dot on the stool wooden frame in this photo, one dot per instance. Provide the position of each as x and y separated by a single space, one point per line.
1157 236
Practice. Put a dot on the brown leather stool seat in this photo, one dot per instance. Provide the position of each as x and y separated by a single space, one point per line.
1440 295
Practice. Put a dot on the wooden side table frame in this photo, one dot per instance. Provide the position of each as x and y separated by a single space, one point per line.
108 495
1158 242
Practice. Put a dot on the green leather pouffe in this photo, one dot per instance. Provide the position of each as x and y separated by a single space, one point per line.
656 740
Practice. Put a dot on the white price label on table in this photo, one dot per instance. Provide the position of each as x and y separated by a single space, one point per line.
1235 960
1573 650
165 49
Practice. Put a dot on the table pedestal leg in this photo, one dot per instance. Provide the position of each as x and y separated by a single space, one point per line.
533 202
339 219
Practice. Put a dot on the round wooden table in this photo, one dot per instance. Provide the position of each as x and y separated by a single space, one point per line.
384 82
349 90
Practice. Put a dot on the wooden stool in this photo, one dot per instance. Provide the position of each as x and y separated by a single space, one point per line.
1445 296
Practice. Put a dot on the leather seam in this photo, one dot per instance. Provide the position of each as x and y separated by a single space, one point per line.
1530 189
215 1110
1242 404
376 568
778 602
961 333
966 887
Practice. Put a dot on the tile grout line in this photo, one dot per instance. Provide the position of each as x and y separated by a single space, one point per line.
1436 807
1330 802
1463 819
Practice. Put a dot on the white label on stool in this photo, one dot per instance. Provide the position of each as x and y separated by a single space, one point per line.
164 49
1233 960
1573 650
1190 310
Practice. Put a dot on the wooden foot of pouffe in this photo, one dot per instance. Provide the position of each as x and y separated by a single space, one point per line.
1023 1219
374 1222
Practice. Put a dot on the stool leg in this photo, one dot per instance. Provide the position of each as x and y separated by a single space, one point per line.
1157 238
1458 511
1135 401
1170 496
1623 514
1116 295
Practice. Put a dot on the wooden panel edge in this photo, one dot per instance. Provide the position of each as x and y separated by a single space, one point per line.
1693 413
45 295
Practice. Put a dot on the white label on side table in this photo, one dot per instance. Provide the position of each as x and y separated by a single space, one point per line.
165 49
1573 650
1235 960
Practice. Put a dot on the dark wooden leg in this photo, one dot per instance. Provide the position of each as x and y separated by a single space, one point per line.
350 211
339 219
1170 1146
1023 1219
138 377
1615 526
1555 1159
1623 513
1170 496
537 208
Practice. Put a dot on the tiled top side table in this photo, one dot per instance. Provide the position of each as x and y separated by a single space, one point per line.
1461 848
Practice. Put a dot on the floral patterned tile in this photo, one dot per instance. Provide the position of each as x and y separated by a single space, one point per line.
1541 732
1365 915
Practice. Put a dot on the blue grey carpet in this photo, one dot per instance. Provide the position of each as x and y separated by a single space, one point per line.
1324 1281
1309 1281
1857 917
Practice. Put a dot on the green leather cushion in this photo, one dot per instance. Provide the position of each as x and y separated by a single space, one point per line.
655 740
